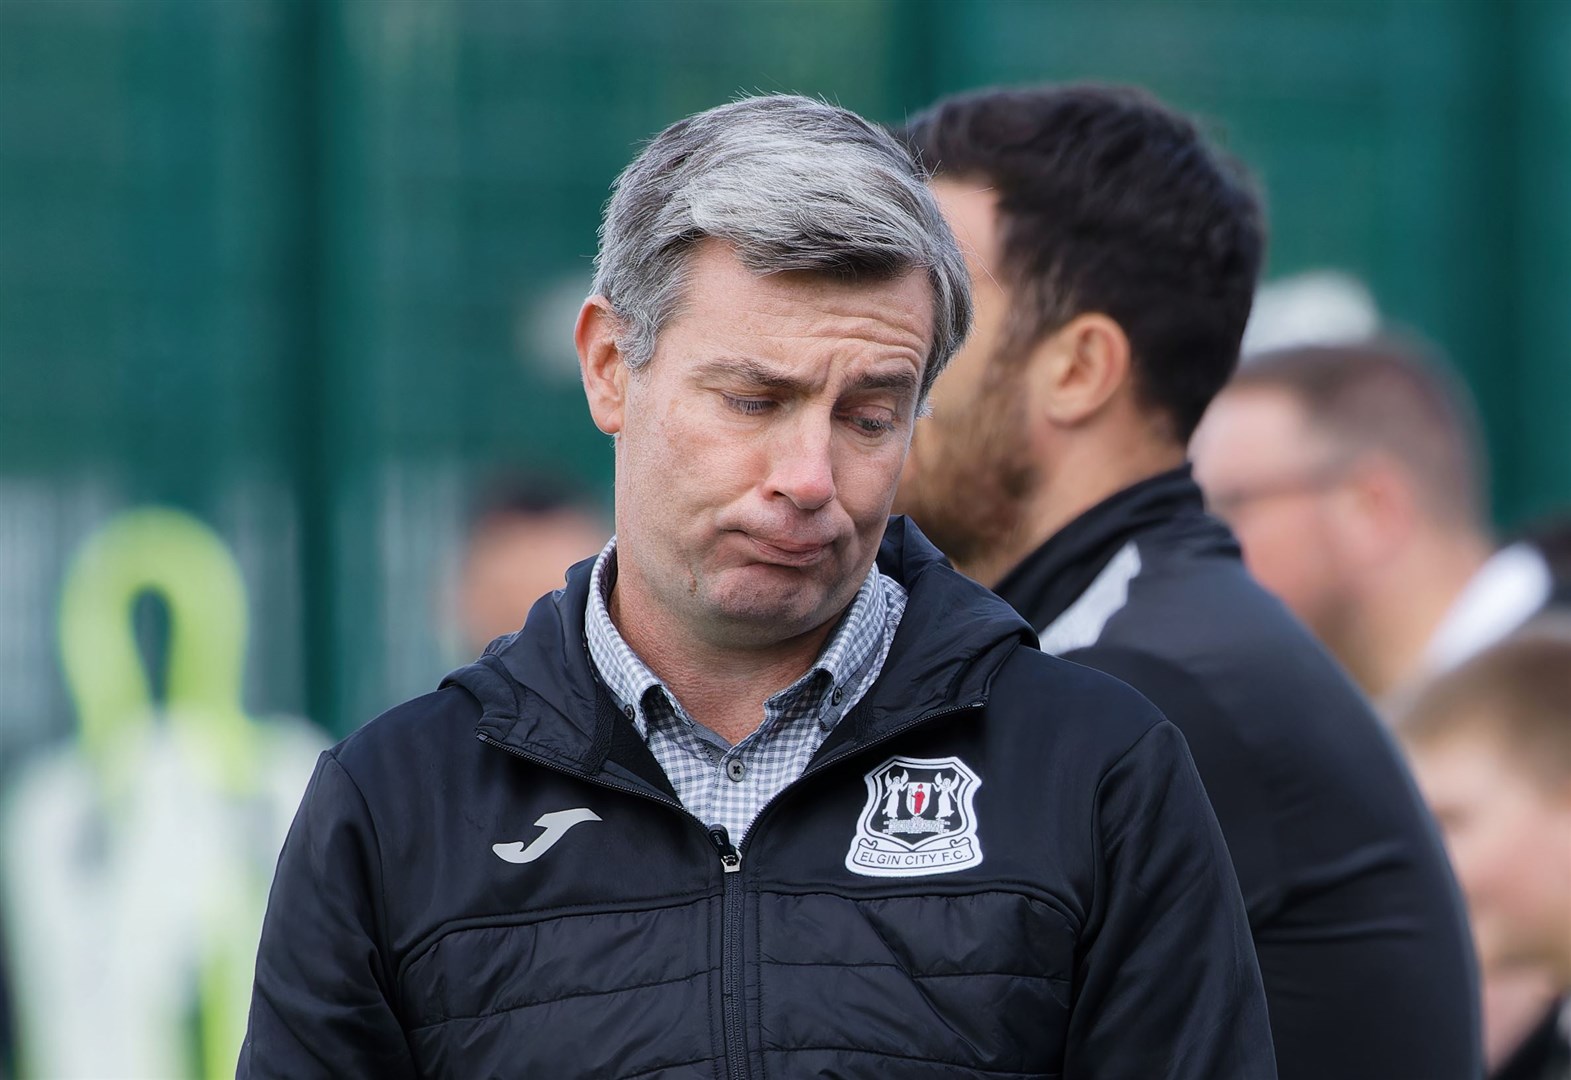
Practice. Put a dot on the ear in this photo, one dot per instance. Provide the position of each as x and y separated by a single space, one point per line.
1081 368
1380 508
600 361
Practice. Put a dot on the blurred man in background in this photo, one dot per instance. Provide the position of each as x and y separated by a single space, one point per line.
523 536
1114 256
1491 746
1354 478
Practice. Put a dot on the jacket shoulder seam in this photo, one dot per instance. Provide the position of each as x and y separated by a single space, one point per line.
1094 910
381 865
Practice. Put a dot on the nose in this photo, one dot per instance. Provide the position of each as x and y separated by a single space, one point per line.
801 466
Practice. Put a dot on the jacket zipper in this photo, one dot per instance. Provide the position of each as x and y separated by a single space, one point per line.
731 967
730 904
732 894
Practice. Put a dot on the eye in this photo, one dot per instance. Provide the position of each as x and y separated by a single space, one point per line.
748 406
872 421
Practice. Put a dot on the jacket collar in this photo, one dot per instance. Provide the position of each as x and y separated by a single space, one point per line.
1055 574
539 694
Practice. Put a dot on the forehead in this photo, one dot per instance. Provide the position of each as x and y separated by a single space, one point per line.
794 318
1465 764
1254 430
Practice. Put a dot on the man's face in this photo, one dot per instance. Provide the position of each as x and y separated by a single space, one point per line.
1273 480
758 452
515 559
1510 845
971 462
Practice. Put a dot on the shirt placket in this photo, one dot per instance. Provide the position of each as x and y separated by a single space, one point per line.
742 777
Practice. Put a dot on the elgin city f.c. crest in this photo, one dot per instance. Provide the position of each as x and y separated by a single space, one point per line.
918 819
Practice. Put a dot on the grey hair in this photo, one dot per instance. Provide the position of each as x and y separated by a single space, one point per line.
791 184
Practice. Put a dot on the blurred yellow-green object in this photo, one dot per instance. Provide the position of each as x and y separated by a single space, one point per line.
137 857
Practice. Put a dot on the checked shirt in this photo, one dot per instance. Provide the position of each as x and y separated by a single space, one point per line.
727 785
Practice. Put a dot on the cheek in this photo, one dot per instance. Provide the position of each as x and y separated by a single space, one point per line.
954 394
1499 857
1280 555
681 463
865 480
1476 859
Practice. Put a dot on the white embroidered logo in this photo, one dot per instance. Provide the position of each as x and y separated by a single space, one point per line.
918 819
555 825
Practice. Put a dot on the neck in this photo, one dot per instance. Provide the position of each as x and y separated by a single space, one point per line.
1084 469
720 685
1403 605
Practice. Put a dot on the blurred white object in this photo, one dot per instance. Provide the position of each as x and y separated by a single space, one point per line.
1507 591
132 918
548 351
1320 307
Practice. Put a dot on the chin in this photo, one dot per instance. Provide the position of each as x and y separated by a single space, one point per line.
780 619
766 616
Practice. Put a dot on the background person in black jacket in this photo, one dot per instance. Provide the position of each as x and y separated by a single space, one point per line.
1114 257
1355 478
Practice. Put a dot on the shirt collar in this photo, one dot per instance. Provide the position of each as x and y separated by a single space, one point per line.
1505 592
855 644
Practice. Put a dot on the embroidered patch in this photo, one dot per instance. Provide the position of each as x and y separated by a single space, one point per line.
918 819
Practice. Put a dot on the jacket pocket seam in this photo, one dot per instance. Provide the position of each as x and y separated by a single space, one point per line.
554 1000
918 974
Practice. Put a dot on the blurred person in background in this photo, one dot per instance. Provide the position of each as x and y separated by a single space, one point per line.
1354 478
1353 475
1490 743
1114 255
768 786
524 534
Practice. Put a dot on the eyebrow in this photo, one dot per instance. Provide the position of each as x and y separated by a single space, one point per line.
903 381
765 377
750 371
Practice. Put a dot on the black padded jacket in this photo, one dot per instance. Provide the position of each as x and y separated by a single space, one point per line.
1358 924
998 865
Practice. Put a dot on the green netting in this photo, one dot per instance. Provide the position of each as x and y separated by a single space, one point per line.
308 269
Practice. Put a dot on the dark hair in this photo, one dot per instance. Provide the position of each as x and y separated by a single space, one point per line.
529 494
1394 396
1110 202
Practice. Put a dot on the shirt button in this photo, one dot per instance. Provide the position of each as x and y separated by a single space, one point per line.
735 769
838 696
627 711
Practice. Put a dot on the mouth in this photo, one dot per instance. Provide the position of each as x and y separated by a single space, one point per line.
782 551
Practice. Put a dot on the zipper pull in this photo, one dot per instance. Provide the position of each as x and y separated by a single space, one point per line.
730 859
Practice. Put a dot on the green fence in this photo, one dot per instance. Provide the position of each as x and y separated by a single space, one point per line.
308 269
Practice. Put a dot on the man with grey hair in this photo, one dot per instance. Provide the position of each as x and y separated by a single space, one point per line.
767 787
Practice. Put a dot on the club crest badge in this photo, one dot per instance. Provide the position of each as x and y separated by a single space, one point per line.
918 819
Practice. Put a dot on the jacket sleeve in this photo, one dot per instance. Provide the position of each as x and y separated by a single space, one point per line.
320 1006
1167 985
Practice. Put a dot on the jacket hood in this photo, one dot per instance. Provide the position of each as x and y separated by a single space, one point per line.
539 692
